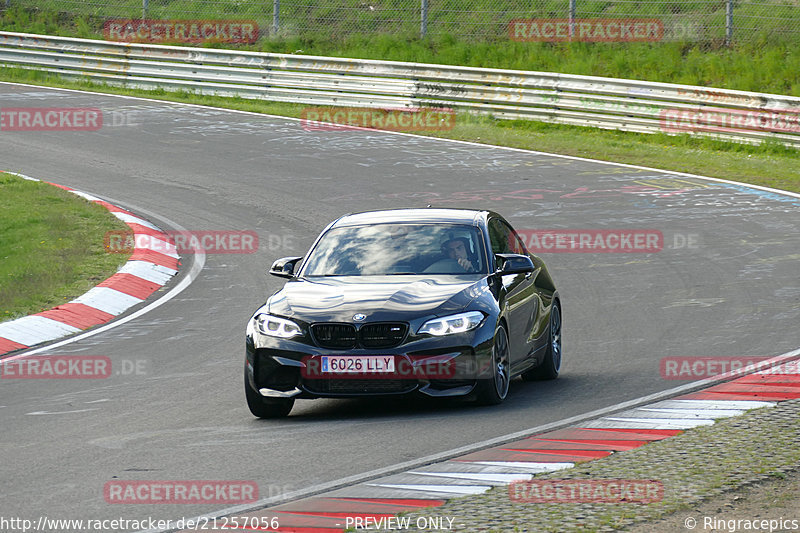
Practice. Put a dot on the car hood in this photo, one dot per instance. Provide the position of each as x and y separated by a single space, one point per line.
380 298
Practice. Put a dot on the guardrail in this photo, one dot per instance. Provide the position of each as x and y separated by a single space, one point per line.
609 103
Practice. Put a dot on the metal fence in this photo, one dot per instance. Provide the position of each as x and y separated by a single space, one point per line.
629 105
678 20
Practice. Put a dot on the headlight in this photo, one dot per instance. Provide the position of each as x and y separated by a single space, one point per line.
452 324
277 327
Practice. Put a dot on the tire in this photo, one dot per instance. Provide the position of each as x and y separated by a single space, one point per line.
494 390
266 407
551 365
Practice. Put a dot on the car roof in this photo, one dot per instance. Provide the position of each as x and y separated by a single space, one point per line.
425 215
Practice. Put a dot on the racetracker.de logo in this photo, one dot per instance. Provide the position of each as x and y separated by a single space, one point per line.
356 118
586 491
586 30
621 241
183 492
57 367
182 31
50 119
692 368
183 242
729 120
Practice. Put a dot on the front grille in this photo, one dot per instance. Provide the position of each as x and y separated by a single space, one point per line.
345 336
360 386
382 335
335 336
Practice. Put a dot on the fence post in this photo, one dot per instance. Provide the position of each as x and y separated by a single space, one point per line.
572 9
276 16
728 22
145 4
423 25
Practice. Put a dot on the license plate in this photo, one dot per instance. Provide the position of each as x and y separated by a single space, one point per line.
357 364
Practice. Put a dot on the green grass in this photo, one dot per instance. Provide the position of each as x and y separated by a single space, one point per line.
474 20
51 246
770 165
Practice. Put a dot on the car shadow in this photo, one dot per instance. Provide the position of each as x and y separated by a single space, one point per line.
373 408
522 397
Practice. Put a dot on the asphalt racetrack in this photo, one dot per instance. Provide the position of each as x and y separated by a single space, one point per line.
725 283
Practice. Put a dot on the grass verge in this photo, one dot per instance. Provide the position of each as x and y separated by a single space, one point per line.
770 165
51 246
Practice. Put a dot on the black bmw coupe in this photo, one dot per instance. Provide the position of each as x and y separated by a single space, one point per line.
440 302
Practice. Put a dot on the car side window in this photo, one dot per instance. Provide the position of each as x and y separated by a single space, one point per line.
504 239
517 244
499 237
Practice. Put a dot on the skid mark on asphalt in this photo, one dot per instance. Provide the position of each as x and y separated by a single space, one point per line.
62 412
696 302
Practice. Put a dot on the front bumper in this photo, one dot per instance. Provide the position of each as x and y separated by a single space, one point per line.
434 366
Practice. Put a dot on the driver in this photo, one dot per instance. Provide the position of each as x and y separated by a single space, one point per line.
456 249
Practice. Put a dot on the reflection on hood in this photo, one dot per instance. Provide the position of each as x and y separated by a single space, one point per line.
379 297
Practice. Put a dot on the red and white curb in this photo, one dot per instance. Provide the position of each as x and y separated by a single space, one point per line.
147 271
474 473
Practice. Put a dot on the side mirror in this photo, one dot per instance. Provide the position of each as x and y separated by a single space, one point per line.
284 267
514 264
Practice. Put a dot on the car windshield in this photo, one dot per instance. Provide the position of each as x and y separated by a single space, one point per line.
397 249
